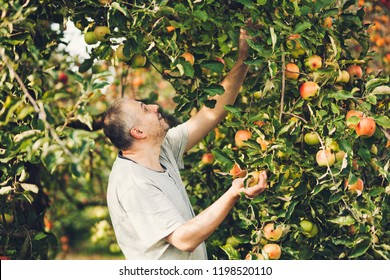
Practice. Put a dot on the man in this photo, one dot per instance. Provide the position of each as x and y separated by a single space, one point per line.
149 208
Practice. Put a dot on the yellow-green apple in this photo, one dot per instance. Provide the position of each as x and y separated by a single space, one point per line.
366 127
241 136
138 60
8 218
309 90
308 228
340 155
313 62
355 71
292 71
311 138
119 53
343 77
253 179
271 232
101 32
231 240
90 38
353 113
325 158
272 250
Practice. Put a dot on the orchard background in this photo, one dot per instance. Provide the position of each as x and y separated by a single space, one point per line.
55 160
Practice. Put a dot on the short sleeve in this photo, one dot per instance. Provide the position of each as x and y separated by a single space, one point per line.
151 212
177 139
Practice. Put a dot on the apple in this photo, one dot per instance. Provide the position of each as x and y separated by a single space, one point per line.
207 159
101 32
306 225
170 28
292 71
273 251
353 113
296 53
327 23
325 158
119 53
138 60
343 77
311 138
63 78
253 178
340 155
90 38
237 172
6 219
254 256
332 145
231 240
272 233
309 89
105 2
355 71
313 232
241 136
189 57
366 127
263 144
356 187
313 62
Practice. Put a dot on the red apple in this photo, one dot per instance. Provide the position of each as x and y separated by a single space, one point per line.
366 127
355 71
353 113
292 71
325 158
309 89
189 57
273 251
63 78
272 233
241 136
207 159
237 172
313 62
356 187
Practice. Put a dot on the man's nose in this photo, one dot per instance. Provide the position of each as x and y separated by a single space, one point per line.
154 107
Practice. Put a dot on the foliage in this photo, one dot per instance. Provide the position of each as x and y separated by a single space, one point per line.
53 152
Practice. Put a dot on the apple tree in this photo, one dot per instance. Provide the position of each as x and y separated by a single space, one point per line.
328 192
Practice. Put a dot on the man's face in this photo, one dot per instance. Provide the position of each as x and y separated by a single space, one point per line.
150 119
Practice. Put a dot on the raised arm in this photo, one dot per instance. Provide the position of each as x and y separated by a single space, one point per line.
192 233
207 119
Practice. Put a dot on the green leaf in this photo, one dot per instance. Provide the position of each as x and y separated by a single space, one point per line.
301 27
214 89
222 157
202 15
40 235
334 198
381 90
343 220
231 252
383 121
361 247
341 95
234 110
213 65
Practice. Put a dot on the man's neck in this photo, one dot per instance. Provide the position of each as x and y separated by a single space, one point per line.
148 157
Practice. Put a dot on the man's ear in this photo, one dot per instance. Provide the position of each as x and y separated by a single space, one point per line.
137 133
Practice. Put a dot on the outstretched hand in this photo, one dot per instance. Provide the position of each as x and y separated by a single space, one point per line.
251 191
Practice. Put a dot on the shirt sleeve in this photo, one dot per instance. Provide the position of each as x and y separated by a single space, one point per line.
152 214
177 139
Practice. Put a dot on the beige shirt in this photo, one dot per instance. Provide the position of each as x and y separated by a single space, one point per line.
145 205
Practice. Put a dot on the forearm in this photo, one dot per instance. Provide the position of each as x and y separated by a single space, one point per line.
193 232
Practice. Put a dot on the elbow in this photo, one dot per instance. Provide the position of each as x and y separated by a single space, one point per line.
186 246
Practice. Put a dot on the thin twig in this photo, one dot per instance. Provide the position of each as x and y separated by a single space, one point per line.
283 84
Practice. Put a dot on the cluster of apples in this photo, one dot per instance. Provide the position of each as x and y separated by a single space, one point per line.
310 89
363 125
271 251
